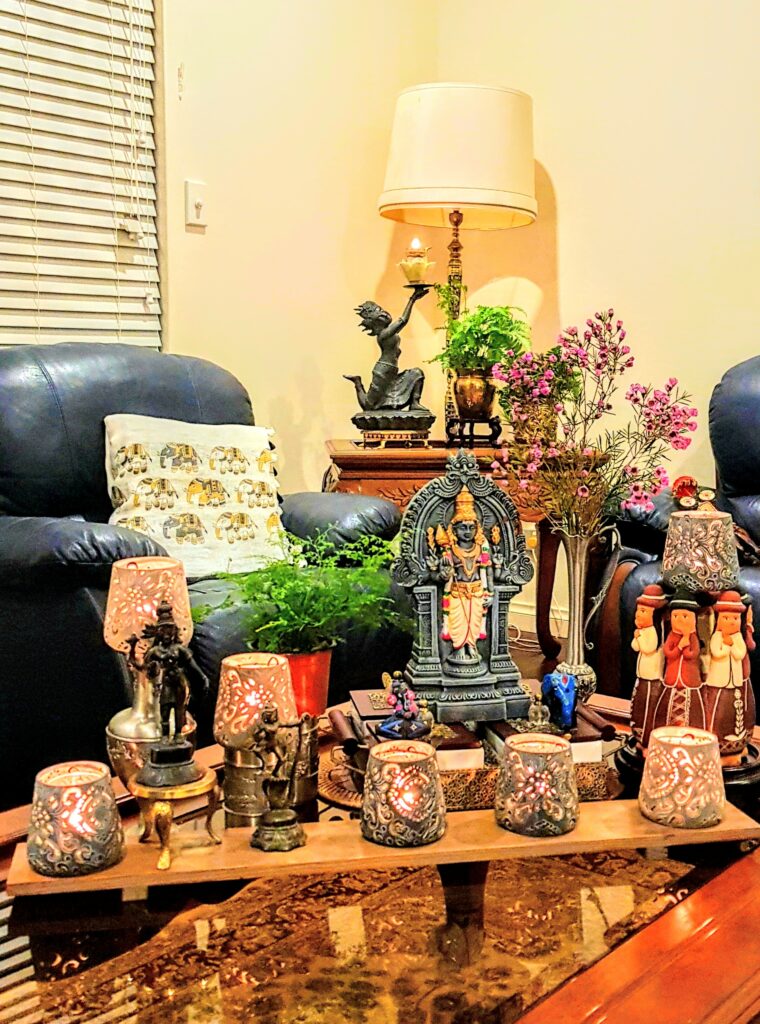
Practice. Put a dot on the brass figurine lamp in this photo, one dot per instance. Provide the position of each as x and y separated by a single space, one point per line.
138 586
461 154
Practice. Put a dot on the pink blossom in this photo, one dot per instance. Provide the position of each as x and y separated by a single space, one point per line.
583 491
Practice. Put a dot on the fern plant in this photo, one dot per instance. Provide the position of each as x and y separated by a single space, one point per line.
486 335
306 602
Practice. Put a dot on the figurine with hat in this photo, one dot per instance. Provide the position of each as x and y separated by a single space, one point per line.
729 701
681 702
650 663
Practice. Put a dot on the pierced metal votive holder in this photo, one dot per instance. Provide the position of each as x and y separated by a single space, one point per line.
682 785
402 803
700 552
536 792
75 826
247 683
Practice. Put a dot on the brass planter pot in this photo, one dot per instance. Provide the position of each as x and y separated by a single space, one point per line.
474 394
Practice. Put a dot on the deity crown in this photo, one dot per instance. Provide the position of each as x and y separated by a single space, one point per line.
464 508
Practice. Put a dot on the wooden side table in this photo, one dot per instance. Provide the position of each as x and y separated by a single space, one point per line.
398 473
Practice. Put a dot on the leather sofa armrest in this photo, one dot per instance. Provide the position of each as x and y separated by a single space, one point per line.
36 550
342 517
645 531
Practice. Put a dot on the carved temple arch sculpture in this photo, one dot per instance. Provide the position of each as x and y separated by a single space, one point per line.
463 559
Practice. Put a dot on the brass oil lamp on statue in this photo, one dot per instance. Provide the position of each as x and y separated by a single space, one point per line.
391 409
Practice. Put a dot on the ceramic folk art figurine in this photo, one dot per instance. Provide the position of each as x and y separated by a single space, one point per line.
462 558
392 400
729 700
681 701
650 663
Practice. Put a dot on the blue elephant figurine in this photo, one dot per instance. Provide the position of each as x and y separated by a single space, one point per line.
560 696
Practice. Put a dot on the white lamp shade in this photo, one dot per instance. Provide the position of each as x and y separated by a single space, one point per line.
461 147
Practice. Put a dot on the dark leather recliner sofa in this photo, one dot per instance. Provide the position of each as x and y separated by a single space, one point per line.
734 426
59 682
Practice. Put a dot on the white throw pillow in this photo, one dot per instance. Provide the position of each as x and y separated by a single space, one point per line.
207 493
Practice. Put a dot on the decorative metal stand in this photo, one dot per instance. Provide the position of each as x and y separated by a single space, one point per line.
463 432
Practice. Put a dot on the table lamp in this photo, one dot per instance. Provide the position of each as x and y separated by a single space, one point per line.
138 586
247 684
461 154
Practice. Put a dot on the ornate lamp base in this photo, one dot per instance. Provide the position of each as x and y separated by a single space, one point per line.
278 831
128 754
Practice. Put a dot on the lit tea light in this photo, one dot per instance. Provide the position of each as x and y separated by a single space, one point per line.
536 793
75 827
682 785
247 683
403 801
415 264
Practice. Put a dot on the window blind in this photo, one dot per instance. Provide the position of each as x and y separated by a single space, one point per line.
78 247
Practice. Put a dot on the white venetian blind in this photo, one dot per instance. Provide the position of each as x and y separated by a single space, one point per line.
78 257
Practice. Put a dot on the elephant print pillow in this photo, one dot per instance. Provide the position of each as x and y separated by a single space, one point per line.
208 494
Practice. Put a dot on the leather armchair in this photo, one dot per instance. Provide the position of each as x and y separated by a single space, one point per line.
59 682
734 425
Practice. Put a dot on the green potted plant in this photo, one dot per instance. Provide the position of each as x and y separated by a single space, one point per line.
299 607
476 340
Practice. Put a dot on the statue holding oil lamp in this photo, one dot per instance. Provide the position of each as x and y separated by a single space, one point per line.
391 407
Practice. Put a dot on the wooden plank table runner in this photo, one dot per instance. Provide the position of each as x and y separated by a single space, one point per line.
471 836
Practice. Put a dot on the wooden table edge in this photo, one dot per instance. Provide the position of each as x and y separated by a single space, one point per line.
336 846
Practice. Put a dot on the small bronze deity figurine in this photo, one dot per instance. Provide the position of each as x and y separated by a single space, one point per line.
278 828
392 400
406 721
463 558
172 670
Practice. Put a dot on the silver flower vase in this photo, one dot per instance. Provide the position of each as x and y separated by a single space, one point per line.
577 554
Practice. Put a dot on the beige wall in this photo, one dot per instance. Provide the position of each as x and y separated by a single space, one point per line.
647 145
285 113
647 174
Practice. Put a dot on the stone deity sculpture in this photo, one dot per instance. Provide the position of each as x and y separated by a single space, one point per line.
392 400
463 558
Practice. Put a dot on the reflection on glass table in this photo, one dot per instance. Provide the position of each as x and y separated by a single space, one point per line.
353 948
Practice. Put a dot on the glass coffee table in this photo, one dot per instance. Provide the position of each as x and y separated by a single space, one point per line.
549 939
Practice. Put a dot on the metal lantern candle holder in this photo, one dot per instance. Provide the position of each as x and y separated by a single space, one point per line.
682 785
403 803
700 552
138 586
536 793
247 684
75 826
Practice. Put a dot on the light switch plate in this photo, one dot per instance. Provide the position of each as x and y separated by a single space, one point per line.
195 204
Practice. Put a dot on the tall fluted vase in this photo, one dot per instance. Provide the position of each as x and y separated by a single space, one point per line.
577 555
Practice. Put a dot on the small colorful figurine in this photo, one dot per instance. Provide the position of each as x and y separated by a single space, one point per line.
650 663
560 696
728 691
405 721
680 702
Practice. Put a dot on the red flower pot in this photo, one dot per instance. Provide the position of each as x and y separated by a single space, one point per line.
310 674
